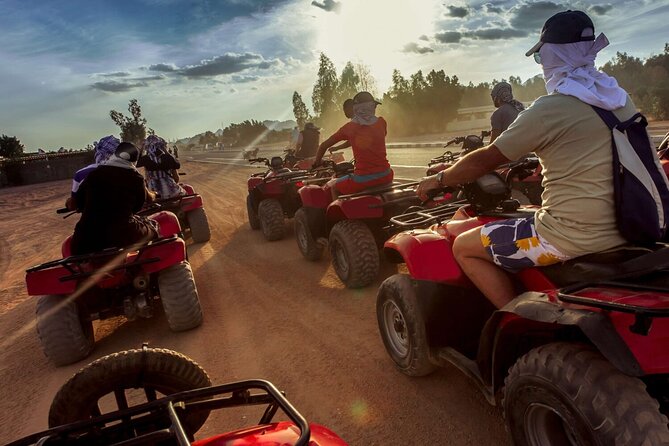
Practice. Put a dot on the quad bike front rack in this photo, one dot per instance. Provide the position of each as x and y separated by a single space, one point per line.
160 420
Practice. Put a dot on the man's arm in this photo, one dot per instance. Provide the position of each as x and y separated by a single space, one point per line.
467 169
494 133
340 147
323 147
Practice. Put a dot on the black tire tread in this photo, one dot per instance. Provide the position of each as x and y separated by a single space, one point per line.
363 254
165 370
199 225
617 404
65 338
179 297
270 214
254 221
399 288
314 250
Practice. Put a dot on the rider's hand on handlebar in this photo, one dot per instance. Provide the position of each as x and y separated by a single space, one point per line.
426 185
316 164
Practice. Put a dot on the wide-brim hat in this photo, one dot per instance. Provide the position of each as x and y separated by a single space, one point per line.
364 96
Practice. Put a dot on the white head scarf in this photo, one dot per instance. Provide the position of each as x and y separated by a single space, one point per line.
569 69
365 113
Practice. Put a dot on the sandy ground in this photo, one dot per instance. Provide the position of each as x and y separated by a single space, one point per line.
268 314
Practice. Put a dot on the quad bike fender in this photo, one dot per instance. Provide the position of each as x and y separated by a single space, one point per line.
50 281
188 188
650 350
428 256
66 247
191 203
254 182
531 320
358 208
166 254
283 432
315 196
168 223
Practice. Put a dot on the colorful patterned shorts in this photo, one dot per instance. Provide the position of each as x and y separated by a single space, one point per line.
514 245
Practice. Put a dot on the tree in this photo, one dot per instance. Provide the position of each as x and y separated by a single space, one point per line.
366 81
325 90
300 111
10 147
208 138
348 83
133 129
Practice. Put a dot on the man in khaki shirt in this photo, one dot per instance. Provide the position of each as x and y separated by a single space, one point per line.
573 144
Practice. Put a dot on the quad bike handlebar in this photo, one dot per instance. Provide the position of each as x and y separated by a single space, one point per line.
491 191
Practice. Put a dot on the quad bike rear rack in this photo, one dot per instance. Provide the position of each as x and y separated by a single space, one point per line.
293 175
74 263
160 420
426 217
381 190
163 203
643 315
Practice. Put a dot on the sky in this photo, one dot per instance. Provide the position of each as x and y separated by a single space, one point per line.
197 65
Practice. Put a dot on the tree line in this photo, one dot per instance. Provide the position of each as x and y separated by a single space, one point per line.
425 103
416 104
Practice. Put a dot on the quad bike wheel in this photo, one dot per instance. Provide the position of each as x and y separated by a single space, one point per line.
65 336
354 253
270 214
254 221
569 394
310 248
154 372
199 225
179 296
402 326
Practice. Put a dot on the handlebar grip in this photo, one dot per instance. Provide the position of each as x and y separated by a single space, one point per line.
62 211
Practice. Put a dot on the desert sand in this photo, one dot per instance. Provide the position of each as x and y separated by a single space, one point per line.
268 314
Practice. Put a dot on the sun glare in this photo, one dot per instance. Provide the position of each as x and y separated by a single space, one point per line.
374 32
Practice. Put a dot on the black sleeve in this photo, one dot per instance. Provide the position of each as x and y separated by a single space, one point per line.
168 162
138 193
80 196
148 163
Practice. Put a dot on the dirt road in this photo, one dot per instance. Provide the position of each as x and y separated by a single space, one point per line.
268 314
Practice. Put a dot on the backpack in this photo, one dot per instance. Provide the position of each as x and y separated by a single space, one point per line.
641 188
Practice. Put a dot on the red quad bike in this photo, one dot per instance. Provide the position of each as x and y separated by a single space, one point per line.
273 197
190 212
579 357
528 184
353 226
76 290
178 397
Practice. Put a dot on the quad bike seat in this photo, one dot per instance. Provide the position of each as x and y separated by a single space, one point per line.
597 266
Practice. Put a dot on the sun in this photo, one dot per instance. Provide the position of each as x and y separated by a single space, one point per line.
374 32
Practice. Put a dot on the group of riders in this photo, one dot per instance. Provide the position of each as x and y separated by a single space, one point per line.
110 192
573 144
